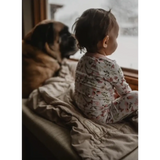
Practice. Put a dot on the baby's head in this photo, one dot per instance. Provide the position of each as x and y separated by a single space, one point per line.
94 28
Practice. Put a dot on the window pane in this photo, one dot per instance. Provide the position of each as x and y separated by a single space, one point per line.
126 12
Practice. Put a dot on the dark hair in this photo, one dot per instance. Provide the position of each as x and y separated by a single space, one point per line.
91 27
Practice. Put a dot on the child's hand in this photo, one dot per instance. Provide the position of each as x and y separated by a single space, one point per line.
116 95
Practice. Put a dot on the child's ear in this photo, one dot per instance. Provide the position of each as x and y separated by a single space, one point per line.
105 41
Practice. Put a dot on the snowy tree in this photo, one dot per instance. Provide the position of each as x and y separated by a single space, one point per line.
124 9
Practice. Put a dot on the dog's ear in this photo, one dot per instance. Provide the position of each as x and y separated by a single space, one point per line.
42 33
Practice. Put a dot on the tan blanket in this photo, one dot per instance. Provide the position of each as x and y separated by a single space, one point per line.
54 101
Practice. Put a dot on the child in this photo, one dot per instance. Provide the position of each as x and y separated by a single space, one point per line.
98 77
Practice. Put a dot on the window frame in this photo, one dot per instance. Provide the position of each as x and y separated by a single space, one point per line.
39 10
131 76
40 13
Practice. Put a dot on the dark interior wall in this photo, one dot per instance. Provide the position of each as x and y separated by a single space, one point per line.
25 17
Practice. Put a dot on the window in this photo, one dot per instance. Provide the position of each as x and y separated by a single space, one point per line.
126 12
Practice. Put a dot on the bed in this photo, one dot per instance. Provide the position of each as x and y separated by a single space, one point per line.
54 128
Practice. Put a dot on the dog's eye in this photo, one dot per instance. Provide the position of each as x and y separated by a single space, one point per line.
65 34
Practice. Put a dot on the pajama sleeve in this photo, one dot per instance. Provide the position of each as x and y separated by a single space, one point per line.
117 80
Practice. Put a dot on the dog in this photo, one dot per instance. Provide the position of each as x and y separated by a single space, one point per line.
43 50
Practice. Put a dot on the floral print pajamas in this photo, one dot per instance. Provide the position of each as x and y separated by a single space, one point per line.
97 78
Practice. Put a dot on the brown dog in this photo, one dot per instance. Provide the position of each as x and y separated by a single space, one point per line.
43 49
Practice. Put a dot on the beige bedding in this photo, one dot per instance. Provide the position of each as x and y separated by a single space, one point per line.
54 101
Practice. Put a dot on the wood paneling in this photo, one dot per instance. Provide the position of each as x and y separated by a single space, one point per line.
133 82
39 11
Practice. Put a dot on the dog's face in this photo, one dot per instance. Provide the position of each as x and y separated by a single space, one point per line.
54 38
